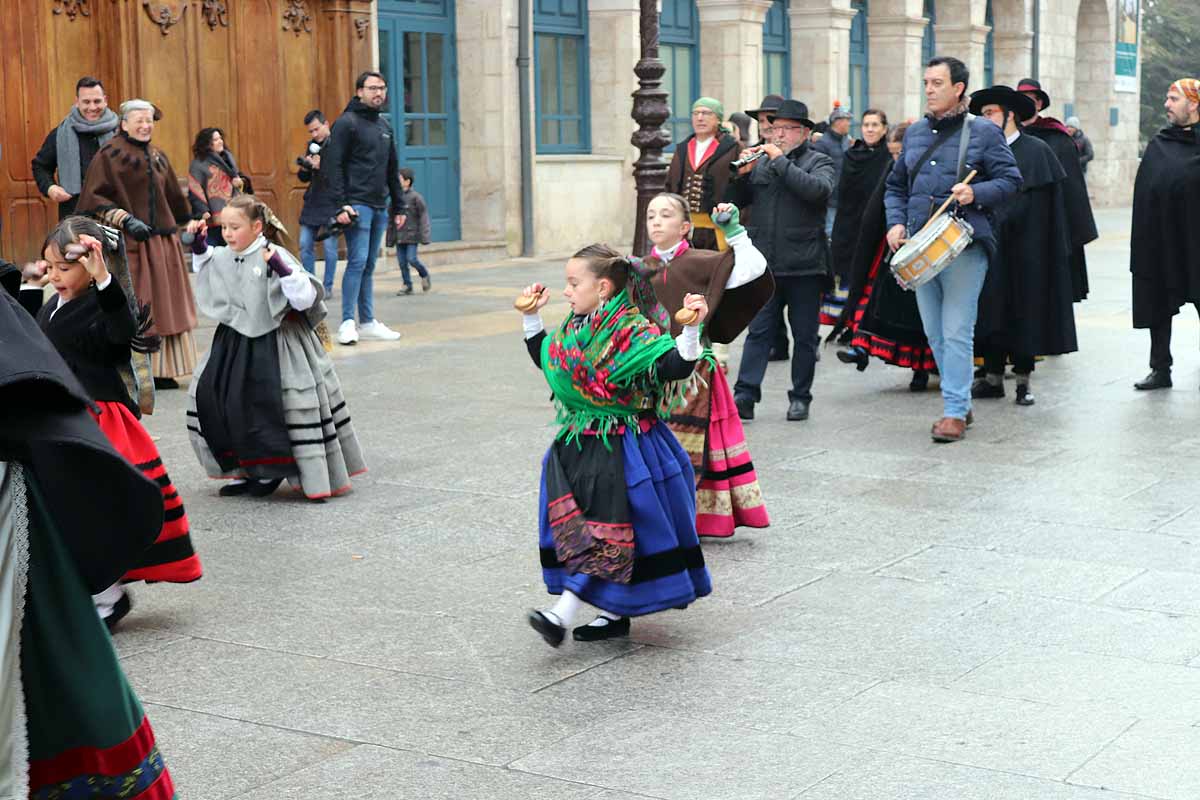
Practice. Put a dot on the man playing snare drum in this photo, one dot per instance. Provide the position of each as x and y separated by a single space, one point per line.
927 173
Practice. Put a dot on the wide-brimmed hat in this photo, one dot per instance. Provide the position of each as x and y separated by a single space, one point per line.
1021 104
1030 85
793 110
771 102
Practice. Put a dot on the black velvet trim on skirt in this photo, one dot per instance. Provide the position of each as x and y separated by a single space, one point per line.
239 402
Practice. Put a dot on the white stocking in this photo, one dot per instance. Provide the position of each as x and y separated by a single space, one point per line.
566 608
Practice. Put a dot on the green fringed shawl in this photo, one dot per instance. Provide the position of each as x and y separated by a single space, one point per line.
601 370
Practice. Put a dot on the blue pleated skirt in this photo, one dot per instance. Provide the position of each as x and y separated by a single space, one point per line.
668 569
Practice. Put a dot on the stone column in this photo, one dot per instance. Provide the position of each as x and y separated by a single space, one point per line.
486 37
731 62
821 54
897 67
1013 56
965 42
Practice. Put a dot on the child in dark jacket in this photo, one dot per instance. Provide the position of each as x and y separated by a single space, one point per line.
414 231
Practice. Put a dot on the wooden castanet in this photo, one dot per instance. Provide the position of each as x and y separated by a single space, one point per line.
527 303
687 316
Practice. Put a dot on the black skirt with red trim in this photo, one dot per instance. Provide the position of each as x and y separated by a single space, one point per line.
171 558
887 323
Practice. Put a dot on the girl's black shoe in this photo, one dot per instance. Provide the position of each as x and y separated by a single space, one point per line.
261 489
597 633
551 631
234 489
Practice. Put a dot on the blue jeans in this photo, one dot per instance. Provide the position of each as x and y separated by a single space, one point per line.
802 296
949 304
308 255
406 253
362 246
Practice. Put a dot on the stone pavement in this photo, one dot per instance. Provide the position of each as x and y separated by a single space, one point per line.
1016 616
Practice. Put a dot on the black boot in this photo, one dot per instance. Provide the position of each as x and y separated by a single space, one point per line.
1157 379
981 389
919 382
797 411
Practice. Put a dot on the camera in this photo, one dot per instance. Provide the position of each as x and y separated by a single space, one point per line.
314 149
333 227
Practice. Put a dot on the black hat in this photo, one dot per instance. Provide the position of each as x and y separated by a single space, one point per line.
771 102
793 110
1022 105
1030 85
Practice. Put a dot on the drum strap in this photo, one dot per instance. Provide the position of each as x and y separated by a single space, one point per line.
942 136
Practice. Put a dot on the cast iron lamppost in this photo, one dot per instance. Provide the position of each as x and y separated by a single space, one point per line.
650 111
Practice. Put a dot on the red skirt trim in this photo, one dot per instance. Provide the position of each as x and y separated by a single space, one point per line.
133 759
887 350
171 558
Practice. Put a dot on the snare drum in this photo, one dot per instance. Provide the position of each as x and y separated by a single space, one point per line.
931 250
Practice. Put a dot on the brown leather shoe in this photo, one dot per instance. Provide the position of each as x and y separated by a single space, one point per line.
948 429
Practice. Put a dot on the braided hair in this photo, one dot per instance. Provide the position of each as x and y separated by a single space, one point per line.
258 211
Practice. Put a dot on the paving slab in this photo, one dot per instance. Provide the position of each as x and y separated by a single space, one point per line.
1154 758
673 758
884 775
1084 680
973 730
367 772
1158 590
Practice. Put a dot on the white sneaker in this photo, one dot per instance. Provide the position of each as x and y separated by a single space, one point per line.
377 330
348 332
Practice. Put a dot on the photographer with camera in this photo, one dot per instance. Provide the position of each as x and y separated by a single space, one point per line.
363 176
320 208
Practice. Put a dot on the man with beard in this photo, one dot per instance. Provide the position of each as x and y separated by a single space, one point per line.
1025 306
69 148
1079 207
363 175
1164 254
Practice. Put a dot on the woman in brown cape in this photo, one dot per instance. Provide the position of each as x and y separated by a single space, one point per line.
131 185
736 284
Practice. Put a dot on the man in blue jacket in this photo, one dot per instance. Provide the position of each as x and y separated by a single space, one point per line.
925 175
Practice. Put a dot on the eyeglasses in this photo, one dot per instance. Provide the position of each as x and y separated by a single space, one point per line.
376 88
779 128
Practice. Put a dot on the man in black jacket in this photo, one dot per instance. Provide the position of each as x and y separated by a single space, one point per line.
360 165
319 208
789 191
69 148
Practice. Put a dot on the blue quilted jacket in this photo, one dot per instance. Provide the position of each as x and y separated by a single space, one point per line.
987 152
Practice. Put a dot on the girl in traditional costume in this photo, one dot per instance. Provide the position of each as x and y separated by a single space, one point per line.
74 517
617 526
266 404
735 284
92 325
882 317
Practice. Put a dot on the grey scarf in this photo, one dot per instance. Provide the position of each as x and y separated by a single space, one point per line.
70 175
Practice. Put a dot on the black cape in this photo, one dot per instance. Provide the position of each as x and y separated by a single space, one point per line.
1164 253
1025 307
105 510
1079 208
892 312
861 171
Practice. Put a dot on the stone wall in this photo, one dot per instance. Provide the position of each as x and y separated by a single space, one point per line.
577 201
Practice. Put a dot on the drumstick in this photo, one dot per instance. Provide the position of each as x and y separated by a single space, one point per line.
970 177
